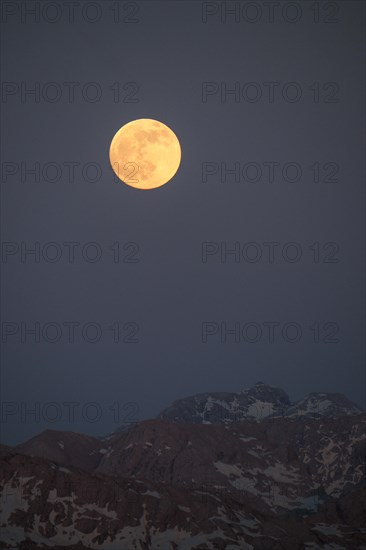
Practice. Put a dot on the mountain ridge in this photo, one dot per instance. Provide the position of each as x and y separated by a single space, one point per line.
256 403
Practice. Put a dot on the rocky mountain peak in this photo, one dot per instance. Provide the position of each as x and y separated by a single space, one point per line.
256 403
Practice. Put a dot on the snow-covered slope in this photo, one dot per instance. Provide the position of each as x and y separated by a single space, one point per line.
323 404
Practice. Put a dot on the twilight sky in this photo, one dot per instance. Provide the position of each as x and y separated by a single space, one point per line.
270 117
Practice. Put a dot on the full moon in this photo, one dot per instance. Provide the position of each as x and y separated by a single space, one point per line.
145 153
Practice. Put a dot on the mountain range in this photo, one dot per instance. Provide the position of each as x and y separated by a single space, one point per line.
247 470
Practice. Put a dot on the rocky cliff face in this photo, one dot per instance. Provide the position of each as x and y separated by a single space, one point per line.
285 482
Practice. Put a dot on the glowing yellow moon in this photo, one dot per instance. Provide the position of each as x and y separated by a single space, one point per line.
145 153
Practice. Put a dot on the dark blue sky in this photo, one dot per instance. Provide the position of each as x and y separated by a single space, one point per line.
154 63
